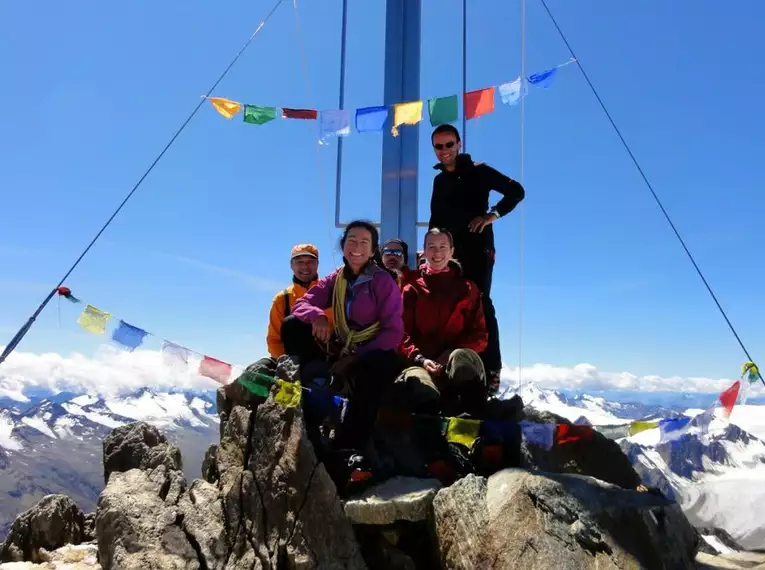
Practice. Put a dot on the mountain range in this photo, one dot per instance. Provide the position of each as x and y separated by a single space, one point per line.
52 444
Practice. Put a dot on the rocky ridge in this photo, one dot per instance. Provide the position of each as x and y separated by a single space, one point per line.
266 502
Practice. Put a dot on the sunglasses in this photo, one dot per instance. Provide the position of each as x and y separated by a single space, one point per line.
442 146
396 252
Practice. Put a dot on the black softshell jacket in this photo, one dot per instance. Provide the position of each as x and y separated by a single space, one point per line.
462 195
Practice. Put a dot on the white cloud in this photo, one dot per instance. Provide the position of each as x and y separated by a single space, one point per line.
587 377
109 372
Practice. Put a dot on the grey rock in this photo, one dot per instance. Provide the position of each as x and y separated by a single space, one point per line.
50 524
138 445
399 498
137 528
521 519
210 464
201 511
597 457
89 527
287 368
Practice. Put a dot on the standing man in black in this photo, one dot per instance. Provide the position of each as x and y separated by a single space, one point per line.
460 204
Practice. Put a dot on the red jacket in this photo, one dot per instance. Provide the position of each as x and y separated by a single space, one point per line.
442 311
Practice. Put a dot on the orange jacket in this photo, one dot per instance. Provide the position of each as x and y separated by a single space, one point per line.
281 307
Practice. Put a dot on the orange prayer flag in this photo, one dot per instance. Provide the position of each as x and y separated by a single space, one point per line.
480 102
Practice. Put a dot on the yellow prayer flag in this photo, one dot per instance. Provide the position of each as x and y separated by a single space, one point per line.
289 394
406 114
637 427
225 107
93 320
463 431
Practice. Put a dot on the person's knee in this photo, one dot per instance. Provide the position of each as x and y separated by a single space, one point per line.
414 390
465 366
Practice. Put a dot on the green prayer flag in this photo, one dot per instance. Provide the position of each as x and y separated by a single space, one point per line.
256 115
443 110
253 387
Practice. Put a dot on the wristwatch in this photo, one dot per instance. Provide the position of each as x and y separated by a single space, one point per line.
419 360
493 211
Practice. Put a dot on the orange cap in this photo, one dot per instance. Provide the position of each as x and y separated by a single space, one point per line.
305 249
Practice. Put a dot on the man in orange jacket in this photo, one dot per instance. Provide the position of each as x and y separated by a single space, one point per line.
304 262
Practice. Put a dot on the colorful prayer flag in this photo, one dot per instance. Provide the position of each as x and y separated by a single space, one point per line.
128 336
750 370
567 433
543 78
406 114
513 91
638 426
538 434
371 119
334 122
289 394
66 293
614 432
728 397
225 107
256 115
309 114
93 320
673 428
479 102
248 382
462 431
216 369
443 110
175 355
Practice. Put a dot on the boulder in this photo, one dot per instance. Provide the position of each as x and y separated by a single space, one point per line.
52 523
138 445
139 523
597 456
69 557
235 394
281 506
397 499
519 519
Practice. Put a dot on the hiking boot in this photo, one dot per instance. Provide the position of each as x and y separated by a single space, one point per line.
349 470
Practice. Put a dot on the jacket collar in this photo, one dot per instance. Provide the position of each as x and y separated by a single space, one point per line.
464 161
303 284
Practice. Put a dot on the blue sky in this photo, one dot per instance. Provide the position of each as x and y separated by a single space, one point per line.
92 91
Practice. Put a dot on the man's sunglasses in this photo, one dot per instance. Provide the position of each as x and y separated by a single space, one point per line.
396 252
442 146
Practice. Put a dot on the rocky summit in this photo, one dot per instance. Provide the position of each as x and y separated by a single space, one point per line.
265 502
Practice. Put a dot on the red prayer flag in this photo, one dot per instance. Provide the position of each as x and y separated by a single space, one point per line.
216 369
479 102
568 433
299 114
728 397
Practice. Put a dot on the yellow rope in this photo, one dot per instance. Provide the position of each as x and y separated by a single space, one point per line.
349 337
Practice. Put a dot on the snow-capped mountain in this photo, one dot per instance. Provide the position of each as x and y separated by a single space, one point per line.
55 445
715 475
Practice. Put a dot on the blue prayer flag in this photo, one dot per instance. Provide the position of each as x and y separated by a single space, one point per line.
371 119
673 428
543 78
128 336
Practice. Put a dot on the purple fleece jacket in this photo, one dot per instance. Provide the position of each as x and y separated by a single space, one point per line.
373 297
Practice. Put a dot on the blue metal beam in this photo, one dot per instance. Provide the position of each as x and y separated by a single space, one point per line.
400 155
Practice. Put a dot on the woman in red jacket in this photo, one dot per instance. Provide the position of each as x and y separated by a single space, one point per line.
444 328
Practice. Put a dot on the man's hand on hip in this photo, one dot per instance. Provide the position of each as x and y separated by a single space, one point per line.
479 223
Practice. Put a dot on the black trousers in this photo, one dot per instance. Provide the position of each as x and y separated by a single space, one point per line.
478 266
370 376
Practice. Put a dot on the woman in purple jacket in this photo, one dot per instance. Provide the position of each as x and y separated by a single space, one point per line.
362 348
